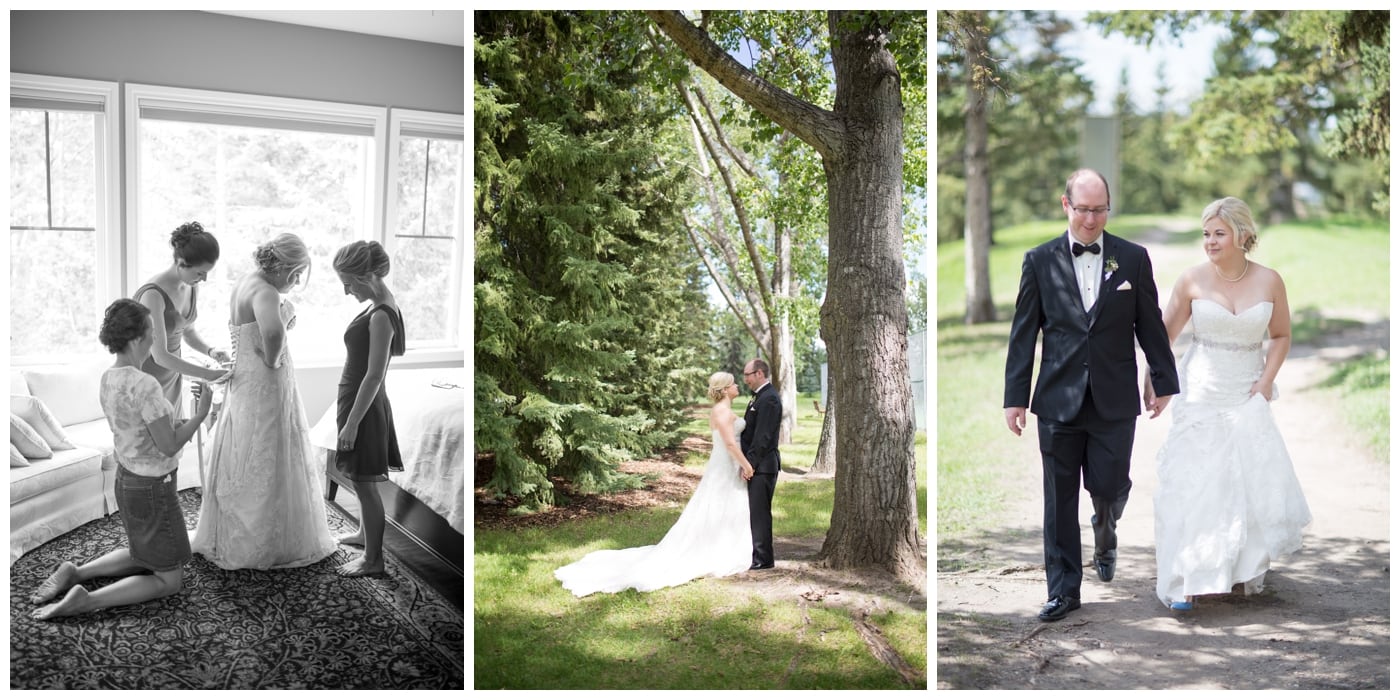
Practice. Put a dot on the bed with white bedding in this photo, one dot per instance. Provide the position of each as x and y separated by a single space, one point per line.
429 408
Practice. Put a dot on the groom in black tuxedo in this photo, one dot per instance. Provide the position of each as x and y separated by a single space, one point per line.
759 443
1089 294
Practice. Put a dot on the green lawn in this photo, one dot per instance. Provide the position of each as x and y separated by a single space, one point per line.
531 633
975 451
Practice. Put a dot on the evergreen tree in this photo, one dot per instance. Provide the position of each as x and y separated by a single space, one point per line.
586 342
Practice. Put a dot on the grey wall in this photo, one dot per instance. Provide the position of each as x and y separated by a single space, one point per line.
201 50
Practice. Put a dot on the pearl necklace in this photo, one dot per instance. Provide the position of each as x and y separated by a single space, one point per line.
1227 279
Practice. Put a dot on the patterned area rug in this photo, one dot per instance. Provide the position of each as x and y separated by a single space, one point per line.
245 629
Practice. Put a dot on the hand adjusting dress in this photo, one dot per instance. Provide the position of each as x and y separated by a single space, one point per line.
711 538
1227 500
262 506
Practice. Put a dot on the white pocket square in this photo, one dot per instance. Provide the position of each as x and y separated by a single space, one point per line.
1125 286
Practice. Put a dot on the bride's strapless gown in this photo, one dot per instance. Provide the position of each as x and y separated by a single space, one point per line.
1227 500
711 538
262 506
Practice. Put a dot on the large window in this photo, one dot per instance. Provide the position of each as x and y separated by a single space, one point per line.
62 224
249 169
426 235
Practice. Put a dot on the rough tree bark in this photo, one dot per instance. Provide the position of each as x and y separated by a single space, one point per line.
864 320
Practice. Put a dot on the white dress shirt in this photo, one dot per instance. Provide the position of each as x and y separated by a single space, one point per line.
1088 270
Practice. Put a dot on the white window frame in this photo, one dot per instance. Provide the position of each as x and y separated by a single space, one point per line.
234 106
107 275
449 126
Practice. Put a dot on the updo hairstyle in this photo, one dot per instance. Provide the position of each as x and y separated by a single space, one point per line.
1237 216
122 322
362 259
719 383
193 245
285 252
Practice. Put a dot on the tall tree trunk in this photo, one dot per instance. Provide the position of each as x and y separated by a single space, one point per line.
864 321
825 462
977 237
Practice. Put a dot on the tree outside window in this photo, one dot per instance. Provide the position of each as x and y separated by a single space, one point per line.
53 232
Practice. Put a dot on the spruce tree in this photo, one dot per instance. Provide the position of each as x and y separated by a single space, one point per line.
586 298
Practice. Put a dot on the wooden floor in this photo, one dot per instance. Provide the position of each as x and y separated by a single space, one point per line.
446 580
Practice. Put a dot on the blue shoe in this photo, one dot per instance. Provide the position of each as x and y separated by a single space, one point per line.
1182 605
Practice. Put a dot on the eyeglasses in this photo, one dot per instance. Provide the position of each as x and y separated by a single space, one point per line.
1086 211
748 373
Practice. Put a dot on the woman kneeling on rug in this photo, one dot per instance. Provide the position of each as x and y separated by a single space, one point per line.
148 439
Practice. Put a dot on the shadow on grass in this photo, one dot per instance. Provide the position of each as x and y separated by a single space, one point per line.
1321 622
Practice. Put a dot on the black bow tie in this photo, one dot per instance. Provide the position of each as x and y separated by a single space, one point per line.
1078 249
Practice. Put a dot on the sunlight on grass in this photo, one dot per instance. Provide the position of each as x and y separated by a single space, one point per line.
531 633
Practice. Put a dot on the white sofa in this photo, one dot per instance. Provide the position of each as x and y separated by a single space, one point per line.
52 496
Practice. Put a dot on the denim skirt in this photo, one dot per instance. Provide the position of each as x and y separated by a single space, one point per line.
155 527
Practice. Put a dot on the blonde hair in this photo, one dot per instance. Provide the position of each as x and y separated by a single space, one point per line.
284 252
719 383
1236 215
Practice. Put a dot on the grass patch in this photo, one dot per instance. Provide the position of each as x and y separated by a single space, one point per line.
530 633
1364 384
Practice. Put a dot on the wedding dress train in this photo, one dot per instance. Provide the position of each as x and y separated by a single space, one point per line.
711 538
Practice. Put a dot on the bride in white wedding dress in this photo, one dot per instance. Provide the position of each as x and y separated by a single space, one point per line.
711 538
262 505
1227 500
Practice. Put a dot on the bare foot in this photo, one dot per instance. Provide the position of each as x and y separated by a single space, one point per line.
362 567
72 604
354 539
59 581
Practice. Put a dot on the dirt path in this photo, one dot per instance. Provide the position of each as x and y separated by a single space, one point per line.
1323 621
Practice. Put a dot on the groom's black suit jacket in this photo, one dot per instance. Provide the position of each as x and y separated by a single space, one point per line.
1087 350
759 439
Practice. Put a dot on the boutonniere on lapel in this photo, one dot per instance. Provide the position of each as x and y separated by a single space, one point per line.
1110 266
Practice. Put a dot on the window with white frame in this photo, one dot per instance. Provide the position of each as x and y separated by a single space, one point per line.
426 241
63 222
249 168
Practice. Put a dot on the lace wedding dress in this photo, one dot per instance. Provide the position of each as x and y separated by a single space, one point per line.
711 538
1227 500
262 506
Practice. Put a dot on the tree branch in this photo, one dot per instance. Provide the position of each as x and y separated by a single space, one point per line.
739 158
820 128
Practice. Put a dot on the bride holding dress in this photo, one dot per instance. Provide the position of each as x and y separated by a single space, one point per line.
1227 501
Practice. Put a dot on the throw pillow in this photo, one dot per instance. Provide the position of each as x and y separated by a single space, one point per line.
17 459
27 440
33 411
70 391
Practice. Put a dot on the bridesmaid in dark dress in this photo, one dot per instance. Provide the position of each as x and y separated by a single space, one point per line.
173 298
367 448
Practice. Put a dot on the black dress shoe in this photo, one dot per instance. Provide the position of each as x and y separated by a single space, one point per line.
1058 607
1104 566
758 567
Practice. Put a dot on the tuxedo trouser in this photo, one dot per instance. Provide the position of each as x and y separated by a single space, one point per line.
761 487
1100 450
